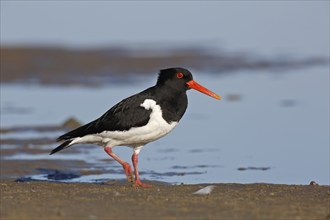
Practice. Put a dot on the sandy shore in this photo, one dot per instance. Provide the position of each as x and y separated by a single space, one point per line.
118 200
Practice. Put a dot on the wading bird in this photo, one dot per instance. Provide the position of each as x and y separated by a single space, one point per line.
139 119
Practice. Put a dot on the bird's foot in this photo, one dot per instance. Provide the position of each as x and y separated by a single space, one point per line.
128 172
140 184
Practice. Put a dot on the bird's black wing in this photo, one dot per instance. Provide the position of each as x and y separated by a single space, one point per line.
126 114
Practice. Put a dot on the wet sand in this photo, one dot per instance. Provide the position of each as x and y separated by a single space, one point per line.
119 200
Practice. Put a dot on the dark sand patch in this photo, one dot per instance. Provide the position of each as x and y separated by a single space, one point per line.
94 67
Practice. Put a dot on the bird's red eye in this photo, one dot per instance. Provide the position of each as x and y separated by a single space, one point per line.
179 75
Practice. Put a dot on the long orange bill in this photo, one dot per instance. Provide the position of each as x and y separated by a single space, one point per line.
194 85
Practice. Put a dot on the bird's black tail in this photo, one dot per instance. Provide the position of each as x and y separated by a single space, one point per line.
64 145
68 137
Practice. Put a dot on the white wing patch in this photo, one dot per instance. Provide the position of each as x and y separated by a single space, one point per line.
156 128
151 104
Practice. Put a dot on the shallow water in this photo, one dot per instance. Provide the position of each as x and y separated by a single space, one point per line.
265 120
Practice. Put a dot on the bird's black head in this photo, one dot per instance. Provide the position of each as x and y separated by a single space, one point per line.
179 79
175 77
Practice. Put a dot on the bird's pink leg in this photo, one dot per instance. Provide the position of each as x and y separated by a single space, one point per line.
126 166
136 172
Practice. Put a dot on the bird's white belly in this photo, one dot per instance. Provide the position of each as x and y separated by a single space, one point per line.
156 128
139 135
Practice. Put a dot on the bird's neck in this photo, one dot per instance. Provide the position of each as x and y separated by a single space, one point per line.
174 104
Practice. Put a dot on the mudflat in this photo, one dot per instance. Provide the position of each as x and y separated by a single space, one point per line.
120 200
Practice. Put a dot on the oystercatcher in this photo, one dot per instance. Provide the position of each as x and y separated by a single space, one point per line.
139 119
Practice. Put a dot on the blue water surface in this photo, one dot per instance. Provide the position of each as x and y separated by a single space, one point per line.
277 123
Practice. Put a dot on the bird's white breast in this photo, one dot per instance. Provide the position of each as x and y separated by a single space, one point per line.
156 128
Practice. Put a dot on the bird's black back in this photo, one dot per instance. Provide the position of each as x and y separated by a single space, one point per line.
129 113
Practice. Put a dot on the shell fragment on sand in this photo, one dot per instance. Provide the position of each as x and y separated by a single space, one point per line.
205 191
